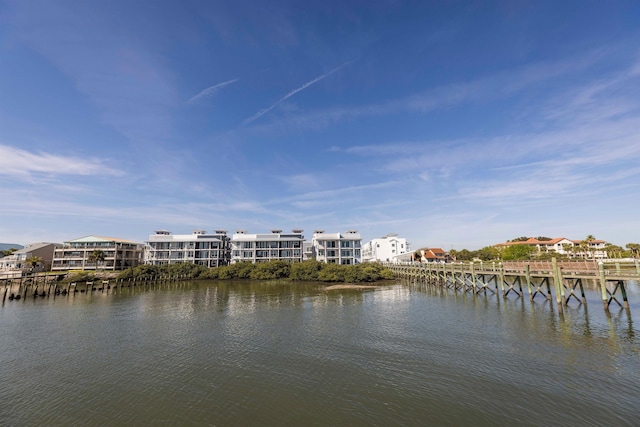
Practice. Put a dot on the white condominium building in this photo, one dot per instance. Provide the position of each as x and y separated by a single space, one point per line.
338 248
265 247
385 248
200 247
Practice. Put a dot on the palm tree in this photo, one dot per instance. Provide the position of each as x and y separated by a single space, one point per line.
568 249
96 257
585 245
34 261
634 248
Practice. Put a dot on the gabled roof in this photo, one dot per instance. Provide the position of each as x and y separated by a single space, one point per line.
33 247
432 253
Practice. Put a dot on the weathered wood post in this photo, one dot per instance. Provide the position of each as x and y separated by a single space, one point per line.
527 276
603 286
501 276
561 282
557 284
625 301
473 278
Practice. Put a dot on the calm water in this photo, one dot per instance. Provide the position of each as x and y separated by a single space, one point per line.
214 353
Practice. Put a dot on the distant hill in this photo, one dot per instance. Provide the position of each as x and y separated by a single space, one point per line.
5 246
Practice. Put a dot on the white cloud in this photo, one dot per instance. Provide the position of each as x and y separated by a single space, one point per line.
21 163
293 92
210 91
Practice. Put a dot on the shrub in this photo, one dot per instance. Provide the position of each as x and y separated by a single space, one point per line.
271 270
305 270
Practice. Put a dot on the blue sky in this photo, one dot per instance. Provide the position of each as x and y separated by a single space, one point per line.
455 124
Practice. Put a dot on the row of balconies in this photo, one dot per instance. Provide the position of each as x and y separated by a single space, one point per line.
267 254
266 245
325 244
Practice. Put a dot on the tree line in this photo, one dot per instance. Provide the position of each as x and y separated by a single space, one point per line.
309 270
527 252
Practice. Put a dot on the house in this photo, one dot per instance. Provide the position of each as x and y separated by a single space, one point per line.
276 245
119 254
432 255
18 261
200 247
561 245
387 249
338 248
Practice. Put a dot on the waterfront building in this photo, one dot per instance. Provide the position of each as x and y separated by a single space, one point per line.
573 248
276 245
200 247
119 254
18 261
338 248
386 249
432 255
307 251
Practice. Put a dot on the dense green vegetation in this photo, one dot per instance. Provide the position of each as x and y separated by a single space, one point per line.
310 270
526 252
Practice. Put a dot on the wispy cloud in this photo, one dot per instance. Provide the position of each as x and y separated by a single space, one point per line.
21 163
210 91
483 89
293 92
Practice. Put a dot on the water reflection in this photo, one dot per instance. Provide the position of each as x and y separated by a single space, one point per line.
286 353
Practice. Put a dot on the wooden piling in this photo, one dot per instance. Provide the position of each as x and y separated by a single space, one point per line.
557 284
473 279
501 276
527 276
603 286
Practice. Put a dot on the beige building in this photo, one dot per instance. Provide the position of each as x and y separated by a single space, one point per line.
18 261
119 254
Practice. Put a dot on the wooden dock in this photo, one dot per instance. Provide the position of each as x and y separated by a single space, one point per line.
563 280
45 285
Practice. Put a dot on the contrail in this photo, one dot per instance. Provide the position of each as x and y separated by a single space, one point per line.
293 92
210 91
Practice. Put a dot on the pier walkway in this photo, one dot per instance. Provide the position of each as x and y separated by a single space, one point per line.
563 280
